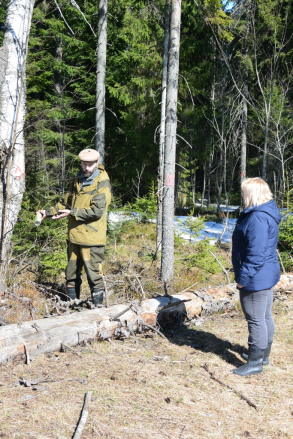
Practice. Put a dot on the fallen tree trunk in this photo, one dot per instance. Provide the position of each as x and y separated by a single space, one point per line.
119 321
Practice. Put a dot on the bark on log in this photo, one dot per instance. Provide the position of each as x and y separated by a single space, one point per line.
47 335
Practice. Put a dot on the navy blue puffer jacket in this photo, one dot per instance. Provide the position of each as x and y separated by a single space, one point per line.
254 247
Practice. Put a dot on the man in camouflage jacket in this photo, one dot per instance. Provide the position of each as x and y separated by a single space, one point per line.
86 205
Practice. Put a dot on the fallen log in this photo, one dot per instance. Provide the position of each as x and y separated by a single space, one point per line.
118 321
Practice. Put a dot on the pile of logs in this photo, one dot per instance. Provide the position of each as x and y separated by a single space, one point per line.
118 321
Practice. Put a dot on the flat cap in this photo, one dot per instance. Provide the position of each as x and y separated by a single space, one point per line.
89 155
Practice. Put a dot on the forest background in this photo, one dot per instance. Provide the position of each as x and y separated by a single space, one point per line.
235 106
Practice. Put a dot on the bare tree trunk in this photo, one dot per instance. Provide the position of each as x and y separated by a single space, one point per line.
59 90
212 131
101 80
209 179
192 179
265 147
12 111
274 71
170 145
220 171
204 182
219 181
275 186
163 121
222 160
288 191
243 135
243 153
266 130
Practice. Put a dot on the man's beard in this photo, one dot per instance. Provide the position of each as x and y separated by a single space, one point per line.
87 174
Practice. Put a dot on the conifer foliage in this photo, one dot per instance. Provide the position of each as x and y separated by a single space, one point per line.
234 107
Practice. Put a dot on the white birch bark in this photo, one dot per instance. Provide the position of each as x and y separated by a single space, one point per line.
12 111
162 130
101 80
167 262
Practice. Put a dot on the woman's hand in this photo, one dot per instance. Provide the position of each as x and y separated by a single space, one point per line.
240 286
61 214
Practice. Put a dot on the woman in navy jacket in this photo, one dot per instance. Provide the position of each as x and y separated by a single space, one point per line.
257 270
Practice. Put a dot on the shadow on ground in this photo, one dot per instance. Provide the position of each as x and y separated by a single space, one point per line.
205 342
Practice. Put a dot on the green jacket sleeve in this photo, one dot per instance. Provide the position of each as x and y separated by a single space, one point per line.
99 204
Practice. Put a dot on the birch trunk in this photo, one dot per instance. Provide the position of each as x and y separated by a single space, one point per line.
101 80
167 262
162 131
12 111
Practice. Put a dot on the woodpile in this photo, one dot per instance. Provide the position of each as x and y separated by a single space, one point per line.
29 339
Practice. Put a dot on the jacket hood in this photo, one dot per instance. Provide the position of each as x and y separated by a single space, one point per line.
270 208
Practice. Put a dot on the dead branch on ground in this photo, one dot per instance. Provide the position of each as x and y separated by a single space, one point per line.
206 367
84 415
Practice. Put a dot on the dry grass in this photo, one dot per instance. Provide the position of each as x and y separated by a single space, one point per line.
148 387
131 257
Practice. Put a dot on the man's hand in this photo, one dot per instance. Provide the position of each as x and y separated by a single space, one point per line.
240 286
43 213
61 214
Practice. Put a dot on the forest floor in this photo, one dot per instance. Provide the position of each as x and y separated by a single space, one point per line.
131 269
147 386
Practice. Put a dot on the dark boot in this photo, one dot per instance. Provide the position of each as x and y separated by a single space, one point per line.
77 290
97 297
267 352
253 365
70 293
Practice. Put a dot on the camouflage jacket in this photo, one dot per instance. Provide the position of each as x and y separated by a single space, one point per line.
88 207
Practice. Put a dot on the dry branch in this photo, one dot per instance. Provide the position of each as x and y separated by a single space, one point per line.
26 351
121 313
84 415
170 305
118 321
155 329
281 262
206 367
224 270
142 291
106 292
64 347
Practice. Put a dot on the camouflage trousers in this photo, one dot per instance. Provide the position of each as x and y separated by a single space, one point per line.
91 259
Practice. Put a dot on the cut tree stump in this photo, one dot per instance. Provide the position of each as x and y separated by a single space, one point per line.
118 321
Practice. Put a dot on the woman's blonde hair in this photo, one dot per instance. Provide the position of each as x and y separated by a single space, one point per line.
255 191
